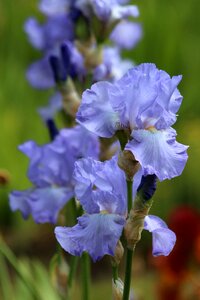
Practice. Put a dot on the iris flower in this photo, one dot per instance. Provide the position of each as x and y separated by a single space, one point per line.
144 102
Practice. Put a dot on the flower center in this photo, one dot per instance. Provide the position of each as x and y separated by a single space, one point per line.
151 128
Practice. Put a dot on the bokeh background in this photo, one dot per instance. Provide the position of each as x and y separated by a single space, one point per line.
171 41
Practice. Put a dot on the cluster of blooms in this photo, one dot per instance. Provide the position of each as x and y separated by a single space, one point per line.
58 40
138 102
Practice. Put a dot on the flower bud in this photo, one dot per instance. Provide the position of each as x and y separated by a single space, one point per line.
59 270
71 99
128 163
119 252
134 227
117 287
4 177
93 55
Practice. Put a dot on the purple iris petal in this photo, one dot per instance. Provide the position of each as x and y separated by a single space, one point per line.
49 164
95 112
75 60
120 12
102 9
107 10
55 104
158 152
80 141
40 75
43 204
102 185
54 7
163 238
150 94
126 34
113 66
112 10
50 170
84 6
96 181
85 178
50 35
96 234
18 201
53 163
35 33
57 30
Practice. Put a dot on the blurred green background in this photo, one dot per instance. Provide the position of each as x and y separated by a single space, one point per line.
171 41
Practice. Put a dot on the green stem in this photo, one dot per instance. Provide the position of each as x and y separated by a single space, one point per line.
127 282
75 213
129 185
74 259
85 265
129 254
73 267
115 273
122 138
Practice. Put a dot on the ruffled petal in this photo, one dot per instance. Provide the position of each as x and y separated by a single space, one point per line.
137 91
96 181
120 12
55 104
40 75
81 142
43 204
95 112
158 152
113 66
163 238
102 9
49 164
113 10
54 7
151 97
35 33
96 234
126 34
18 201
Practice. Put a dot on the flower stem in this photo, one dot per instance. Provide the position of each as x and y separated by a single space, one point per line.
129 185
73 267
115 273
127 282
129 254
85 265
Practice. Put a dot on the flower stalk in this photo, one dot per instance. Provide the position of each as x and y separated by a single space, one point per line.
85 266
129 254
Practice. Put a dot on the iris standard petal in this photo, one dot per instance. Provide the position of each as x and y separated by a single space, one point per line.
55 104
150 95
96 234
40 75
49 164
85 177
54 7
35 33
126 34
81 142
95 112
94 181
122 12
